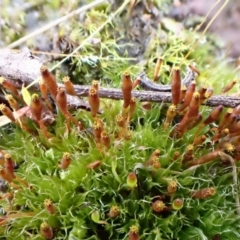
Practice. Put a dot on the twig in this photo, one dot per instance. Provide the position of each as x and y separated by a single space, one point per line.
54 23
145 96
21 67
235 180
24 68
150 96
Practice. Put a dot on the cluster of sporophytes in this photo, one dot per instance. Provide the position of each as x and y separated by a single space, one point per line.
123 170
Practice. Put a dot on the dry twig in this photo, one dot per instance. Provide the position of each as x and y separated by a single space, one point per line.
24 68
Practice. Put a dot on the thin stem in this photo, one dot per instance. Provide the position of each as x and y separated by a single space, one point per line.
206 28
120 9
54 23
235 180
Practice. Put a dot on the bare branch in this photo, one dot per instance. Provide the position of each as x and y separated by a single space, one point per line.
23 68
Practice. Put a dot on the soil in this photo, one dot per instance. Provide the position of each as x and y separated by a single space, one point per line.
226 26
145 18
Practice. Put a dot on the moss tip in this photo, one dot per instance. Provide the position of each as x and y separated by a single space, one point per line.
66 79
2 107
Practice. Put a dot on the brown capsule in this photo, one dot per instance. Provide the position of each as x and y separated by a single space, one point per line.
97 129
9 164
235 128
194 122
172 187
49 206
5 175
114 212
12 102
44 93
132 107
226 147
9 86
229 86
235 141
199 140
127 135
236 110
202 91
43 128
7 112
225 119
134 233
46 230
36 107
194 69
176 155
153 157
119 120
186 122
156 163
214 115
158 206
188 96
157 69
94 165
204 159
69 86
65 161
146 105
126 89
203 193
189 149
94 101
231 121
176 86
182 93
194 106
50 81
171 113
236 155
61 100
222 134
105 139
208 94
136 82
180 128
153 161
43 89
188 156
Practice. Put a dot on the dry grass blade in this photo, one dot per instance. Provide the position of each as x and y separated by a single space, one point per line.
119 10
54 23
17 114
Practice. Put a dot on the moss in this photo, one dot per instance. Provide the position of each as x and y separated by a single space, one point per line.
115 179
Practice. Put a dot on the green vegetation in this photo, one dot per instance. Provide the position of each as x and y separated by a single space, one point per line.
138 180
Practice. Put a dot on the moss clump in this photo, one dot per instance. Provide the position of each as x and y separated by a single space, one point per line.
125 178
124 170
